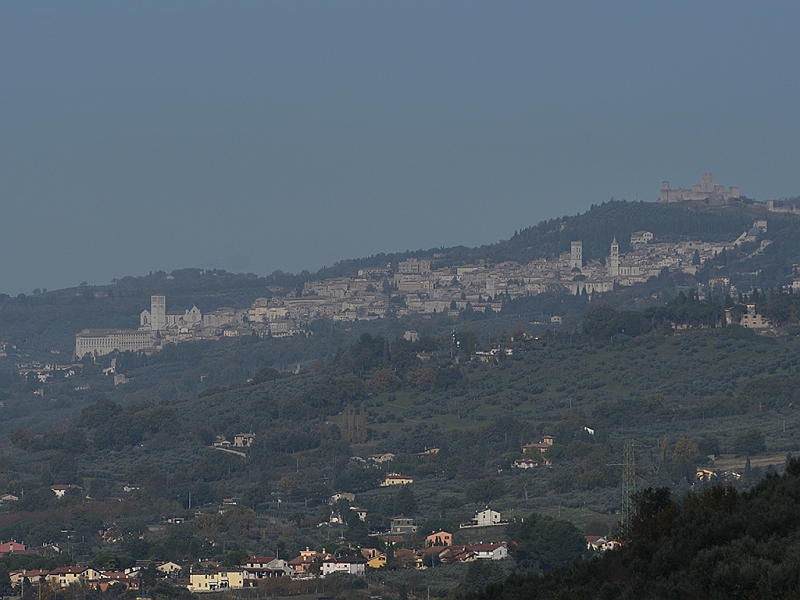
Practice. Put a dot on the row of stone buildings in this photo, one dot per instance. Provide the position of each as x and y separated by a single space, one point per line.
413 286
158 327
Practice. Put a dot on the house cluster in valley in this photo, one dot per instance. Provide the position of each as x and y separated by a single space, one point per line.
207 576
409 550
404 547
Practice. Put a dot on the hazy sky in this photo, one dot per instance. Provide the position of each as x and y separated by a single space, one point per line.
254 136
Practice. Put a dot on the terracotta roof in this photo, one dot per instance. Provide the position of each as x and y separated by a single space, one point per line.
592 538
304 559
68 570
32 573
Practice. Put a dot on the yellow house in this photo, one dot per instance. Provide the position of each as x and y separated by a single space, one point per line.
67 576
377 562
216 579
396 479
169 567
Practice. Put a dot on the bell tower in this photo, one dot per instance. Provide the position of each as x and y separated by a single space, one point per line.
158 312
576 256
613 262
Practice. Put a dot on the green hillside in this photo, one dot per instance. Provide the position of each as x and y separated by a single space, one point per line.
653 362
718 388
719 543
668 222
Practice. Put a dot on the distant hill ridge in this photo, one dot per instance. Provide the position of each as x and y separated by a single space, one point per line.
595 228
52 318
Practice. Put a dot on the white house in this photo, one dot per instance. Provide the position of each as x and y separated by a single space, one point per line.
60 490
485 518
489 551
266 567
355 565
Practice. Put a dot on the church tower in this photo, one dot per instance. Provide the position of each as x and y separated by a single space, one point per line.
576 256
613 262
158 312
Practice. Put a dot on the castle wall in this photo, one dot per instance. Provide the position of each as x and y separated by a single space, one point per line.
705 190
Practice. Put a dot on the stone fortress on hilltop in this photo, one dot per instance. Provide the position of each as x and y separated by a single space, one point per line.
705 190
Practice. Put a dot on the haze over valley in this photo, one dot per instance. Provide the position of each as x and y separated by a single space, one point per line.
358 300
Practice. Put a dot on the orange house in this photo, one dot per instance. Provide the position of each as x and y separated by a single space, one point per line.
439 538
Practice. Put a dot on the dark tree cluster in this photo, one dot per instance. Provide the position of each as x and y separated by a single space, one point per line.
720 543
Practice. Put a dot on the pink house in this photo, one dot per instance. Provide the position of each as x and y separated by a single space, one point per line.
9 547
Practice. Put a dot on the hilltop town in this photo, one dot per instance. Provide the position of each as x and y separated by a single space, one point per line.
463 438
420 286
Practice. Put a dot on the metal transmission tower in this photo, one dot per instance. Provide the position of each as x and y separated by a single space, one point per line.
628 465
628 482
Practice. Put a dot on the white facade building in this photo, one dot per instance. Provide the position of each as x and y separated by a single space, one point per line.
490 551
353 565
151 323
486 518
106 341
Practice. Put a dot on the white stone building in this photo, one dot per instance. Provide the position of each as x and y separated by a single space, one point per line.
152 323
354 565
485 518
106 341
